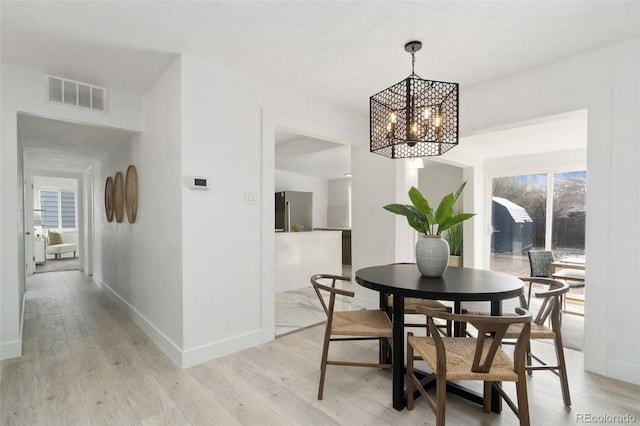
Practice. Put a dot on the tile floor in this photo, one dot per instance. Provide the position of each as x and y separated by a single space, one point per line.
298 309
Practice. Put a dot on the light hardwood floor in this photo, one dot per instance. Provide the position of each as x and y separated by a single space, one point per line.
86 363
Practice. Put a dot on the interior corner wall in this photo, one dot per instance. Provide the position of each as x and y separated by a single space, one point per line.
286 181
437 180
338 203
140 263
23 90
373 229
606 83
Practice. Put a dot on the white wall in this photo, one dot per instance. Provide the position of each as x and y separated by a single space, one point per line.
287 181
141 263
373 229
228 130
339 203
437 180
23 90
605 82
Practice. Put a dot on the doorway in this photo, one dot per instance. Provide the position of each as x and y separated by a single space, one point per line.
320 170
55 224
57 164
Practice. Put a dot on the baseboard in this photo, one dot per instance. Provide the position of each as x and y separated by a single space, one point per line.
13 349
624 371
190 357
163 342
220 348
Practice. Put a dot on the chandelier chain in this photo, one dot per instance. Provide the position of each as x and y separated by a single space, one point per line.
413 63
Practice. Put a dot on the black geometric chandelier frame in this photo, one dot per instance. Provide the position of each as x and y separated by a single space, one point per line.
415 117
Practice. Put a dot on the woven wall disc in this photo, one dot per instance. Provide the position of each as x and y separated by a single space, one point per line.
108 199
131 193
118 195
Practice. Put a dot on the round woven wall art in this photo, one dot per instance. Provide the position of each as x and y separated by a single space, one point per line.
108 199
118 195
131 193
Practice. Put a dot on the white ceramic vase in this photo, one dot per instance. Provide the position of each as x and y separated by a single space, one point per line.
432 255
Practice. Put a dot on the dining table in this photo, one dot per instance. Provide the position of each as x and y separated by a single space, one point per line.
456 285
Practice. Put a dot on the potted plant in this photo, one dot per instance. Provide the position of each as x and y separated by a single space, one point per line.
432 251
453 236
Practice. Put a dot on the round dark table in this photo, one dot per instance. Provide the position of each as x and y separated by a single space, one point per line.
456 285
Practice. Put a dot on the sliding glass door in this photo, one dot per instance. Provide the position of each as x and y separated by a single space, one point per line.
542 211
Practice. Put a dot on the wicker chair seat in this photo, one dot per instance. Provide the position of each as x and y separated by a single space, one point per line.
410 304
538 331
460 353
361 323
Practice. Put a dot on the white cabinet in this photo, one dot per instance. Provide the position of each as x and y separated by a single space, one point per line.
39 250
302 254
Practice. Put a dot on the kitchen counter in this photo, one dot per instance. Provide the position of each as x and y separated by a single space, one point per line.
299 255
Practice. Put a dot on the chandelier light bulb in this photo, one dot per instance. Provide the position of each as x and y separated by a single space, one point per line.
438 121
394 118
427 113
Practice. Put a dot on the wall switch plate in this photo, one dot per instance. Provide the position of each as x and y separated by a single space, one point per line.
251 197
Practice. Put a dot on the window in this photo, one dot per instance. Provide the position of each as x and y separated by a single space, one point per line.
543 211
58 209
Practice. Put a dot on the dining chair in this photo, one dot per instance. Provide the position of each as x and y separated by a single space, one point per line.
365 324
411 303
548 312
545 326
468 358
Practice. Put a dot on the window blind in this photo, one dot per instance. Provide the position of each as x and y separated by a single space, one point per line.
49 206
58 209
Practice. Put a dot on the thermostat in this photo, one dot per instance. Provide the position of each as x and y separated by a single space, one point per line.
199 183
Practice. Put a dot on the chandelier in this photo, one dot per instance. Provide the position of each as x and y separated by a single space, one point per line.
415 117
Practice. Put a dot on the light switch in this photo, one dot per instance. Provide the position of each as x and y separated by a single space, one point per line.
251 197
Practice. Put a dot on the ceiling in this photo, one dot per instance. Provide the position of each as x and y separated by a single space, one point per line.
311 157
62 146
341 52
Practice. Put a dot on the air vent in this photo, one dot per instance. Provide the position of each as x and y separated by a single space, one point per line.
77 94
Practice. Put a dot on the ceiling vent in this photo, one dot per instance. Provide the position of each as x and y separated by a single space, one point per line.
77 94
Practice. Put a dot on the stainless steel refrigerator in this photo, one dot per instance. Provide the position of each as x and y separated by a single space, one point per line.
294 207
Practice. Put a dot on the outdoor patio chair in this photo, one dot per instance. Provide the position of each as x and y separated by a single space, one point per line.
540 264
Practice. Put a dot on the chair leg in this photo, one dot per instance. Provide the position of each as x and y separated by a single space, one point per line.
529 371
323 362
409 377
441 401
323 370
486 397
523 400
562 369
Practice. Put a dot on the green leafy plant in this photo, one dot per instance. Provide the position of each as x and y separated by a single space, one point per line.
423 219
453 235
